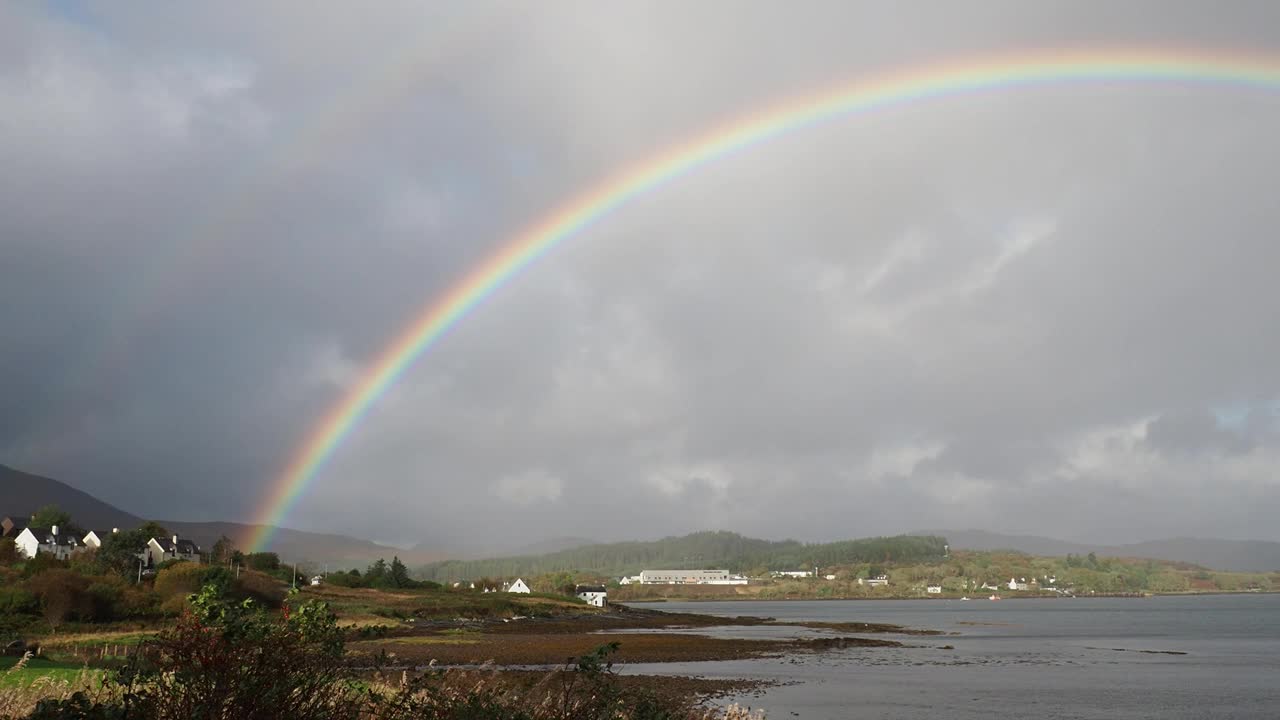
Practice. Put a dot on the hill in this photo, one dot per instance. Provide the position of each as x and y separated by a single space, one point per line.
1237 555
22 493
724 550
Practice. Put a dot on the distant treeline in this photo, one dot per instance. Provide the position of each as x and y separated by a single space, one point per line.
720 550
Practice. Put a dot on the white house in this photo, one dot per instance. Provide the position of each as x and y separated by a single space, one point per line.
629 580
793 573
32 541
518 587
95 538
171 548
829 576
934 589
877 581
594 595
1015 584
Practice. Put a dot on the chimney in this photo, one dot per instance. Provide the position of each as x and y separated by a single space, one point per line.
54 530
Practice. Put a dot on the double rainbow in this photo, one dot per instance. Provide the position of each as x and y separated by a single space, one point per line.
1006 72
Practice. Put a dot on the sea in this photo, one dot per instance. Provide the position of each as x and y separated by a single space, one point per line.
1173 657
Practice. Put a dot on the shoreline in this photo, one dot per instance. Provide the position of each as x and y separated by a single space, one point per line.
749 598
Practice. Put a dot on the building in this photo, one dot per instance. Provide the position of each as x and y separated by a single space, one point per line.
877 581
1015 584
681 577
94 538
934 590
629 580
793 573
32 541
731 580
594 595
171 548
11 525
829 576
518 586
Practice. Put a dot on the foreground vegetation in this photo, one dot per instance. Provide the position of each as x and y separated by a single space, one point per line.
229 659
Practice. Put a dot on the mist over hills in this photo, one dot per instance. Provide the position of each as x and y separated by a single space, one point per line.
1239 555
22 493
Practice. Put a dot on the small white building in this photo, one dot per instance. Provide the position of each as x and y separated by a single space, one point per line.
877 581
630 580
1015 584
793 573
171 548
518 587
94 538
934 590
829 576
316 580
32 541
594 595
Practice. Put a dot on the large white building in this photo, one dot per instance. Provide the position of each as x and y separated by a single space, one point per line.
683 577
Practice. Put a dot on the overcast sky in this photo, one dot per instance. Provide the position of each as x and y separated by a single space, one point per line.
1049 311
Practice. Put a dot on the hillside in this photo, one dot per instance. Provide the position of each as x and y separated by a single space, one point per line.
1237 555
22 493
725 550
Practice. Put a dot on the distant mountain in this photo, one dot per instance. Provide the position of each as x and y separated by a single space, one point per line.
1241 555
23 493
718 550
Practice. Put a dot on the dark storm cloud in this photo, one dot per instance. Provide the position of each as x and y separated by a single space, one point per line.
983 311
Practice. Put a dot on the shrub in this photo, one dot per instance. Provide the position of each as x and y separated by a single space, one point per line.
62 596
263 561
16 600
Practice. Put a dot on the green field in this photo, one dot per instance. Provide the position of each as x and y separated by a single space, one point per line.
37 668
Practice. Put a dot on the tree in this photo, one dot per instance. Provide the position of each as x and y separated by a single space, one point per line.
223 551
120 550
51 515
263 561
399 574
61 593
376 574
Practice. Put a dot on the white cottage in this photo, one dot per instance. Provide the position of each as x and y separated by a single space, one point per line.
518 587
594 595
171 548
95 538
32 541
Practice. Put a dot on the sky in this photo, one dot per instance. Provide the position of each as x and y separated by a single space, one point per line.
1048 311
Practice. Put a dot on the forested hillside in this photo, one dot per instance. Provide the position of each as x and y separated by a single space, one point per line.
721 549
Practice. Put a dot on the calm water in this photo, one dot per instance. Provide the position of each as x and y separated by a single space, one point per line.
1061 658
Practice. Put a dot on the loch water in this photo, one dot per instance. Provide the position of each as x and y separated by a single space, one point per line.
1175 657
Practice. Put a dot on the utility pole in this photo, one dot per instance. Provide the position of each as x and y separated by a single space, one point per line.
293 581
139 571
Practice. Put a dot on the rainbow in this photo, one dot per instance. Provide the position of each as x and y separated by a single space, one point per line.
939 81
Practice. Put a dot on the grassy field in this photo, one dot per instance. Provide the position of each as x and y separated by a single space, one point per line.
37 668
362 607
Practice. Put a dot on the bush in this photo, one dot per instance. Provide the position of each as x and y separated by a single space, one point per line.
17 601
263 561
62 596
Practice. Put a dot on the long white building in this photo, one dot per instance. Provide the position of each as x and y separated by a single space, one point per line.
683 577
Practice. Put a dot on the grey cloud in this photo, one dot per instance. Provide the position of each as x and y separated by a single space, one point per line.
997 307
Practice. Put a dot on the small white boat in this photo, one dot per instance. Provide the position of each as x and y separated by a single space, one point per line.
994 597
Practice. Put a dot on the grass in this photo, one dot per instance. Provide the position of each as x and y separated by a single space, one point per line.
37 668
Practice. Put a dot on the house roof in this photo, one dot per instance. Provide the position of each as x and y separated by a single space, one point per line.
589 588
183 546
46 537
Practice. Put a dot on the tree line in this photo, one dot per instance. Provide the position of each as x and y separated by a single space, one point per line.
712 549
